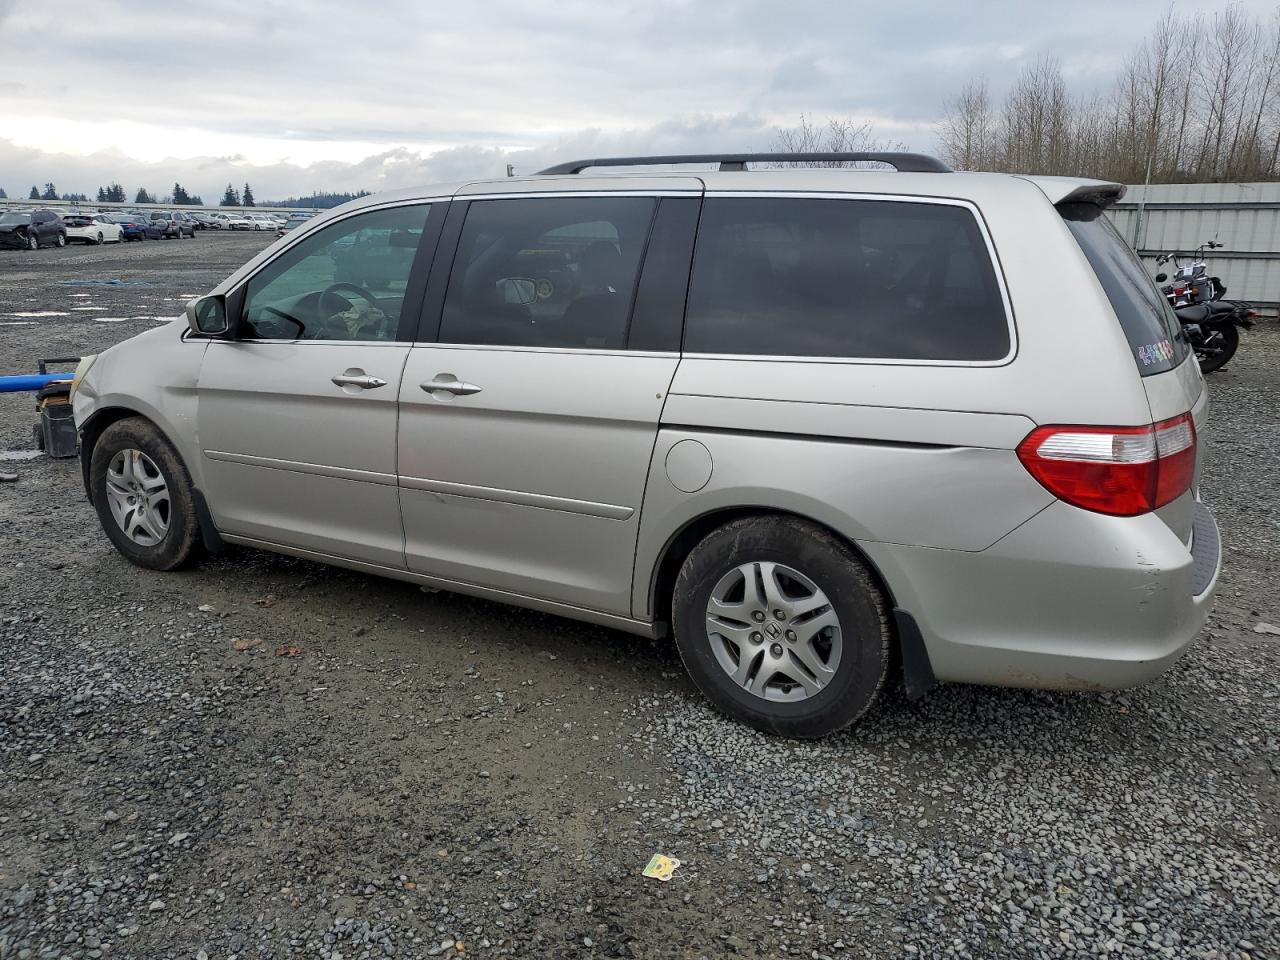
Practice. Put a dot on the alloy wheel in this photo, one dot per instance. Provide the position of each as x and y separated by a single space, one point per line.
774 631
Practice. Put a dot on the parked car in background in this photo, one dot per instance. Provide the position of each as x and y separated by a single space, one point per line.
175 223
237 221
92 228
32 229
137 226
293 223
214 221
849 436
261 221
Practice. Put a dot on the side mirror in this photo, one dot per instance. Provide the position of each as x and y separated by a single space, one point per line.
207 316
517 290
1161 277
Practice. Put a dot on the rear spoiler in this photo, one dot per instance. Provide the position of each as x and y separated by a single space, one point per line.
1102 194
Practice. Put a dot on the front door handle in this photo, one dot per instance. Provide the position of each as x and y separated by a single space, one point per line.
361 380
448 383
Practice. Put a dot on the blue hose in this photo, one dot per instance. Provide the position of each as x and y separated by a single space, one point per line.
30 381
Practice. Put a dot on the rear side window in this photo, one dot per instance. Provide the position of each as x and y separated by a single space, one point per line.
547 272
1149 323
873 279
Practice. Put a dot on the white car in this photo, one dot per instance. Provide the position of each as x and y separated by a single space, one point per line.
261 221
93 228
237 221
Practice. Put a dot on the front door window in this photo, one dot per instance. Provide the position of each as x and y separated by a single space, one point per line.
346 281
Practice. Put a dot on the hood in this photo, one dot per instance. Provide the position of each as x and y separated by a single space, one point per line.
11 227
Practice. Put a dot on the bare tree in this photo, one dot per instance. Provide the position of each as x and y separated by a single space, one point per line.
1196 100
966 132
836 135
1036 122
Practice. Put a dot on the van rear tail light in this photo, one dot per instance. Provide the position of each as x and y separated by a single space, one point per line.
1121 471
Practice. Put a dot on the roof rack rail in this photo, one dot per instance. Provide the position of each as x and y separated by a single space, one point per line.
902 162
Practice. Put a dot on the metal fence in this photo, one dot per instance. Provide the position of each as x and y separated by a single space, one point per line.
1245 217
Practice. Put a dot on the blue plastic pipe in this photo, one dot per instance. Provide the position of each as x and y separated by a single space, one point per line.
30 381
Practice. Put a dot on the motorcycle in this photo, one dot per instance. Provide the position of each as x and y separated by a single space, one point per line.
1210 323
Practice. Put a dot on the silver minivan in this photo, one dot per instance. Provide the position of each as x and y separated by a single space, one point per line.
819 425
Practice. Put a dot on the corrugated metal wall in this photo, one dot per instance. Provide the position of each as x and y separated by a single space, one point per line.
1180 216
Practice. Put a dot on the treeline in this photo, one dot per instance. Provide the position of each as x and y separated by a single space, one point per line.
231 197
115 193
318 201
1197 101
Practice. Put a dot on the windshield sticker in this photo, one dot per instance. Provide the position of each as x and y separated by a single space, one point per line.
1156 353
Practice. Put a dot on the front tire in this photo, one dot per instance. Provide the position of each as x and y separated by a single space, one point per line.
62 239
33 242
143 495
782 626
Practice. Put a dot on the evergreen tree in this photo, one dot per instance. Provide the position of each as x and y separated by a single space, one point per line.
231 198
3 195
143 196
180 195
50 192
115 193
34 194
248 196
102 195
75 197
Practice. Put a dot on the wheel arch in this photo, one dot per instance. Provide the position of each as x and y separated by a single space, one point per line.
92 432
93 428
662 577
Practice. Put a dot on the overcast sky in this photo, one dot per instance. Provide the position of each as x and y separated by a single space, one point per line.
343 95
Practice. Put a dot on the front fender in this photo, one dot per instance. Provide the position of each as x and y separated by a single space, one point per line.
153 375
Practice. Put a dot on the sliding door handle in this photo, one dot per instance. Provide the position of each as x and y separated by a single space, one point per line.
448 383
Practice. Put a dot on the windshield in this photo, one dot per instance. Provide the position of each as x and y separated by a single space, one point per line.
15 218
1154 334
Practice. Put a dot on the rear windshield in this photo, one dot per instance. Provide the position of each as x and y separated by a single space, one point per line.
1149 323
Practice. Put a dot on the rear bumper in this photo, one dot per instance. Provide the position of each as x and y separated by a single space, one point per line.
1070 600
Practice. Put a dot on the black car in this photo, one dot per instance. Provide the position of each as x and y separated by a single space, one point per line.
137 226
174 223
32 230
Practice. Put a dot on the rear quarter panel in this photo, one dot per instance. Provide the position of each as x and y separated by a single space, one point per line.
907 453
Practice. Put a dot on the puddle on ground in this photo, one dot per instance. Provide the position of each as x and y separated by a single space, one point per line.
37 313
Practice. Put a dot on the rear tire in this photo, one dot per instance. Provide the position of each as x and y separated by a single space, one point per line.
796 683
144 495
1227 345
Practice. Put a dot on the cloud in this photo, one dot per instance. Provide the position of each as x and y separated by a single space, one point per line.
388 169
331 95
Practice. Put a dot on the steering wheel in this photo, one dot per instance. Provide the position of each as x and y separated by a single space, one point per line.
337 289
289 318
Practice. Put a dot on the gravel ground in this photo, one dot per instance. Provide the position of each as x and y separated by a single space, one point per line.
262 757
